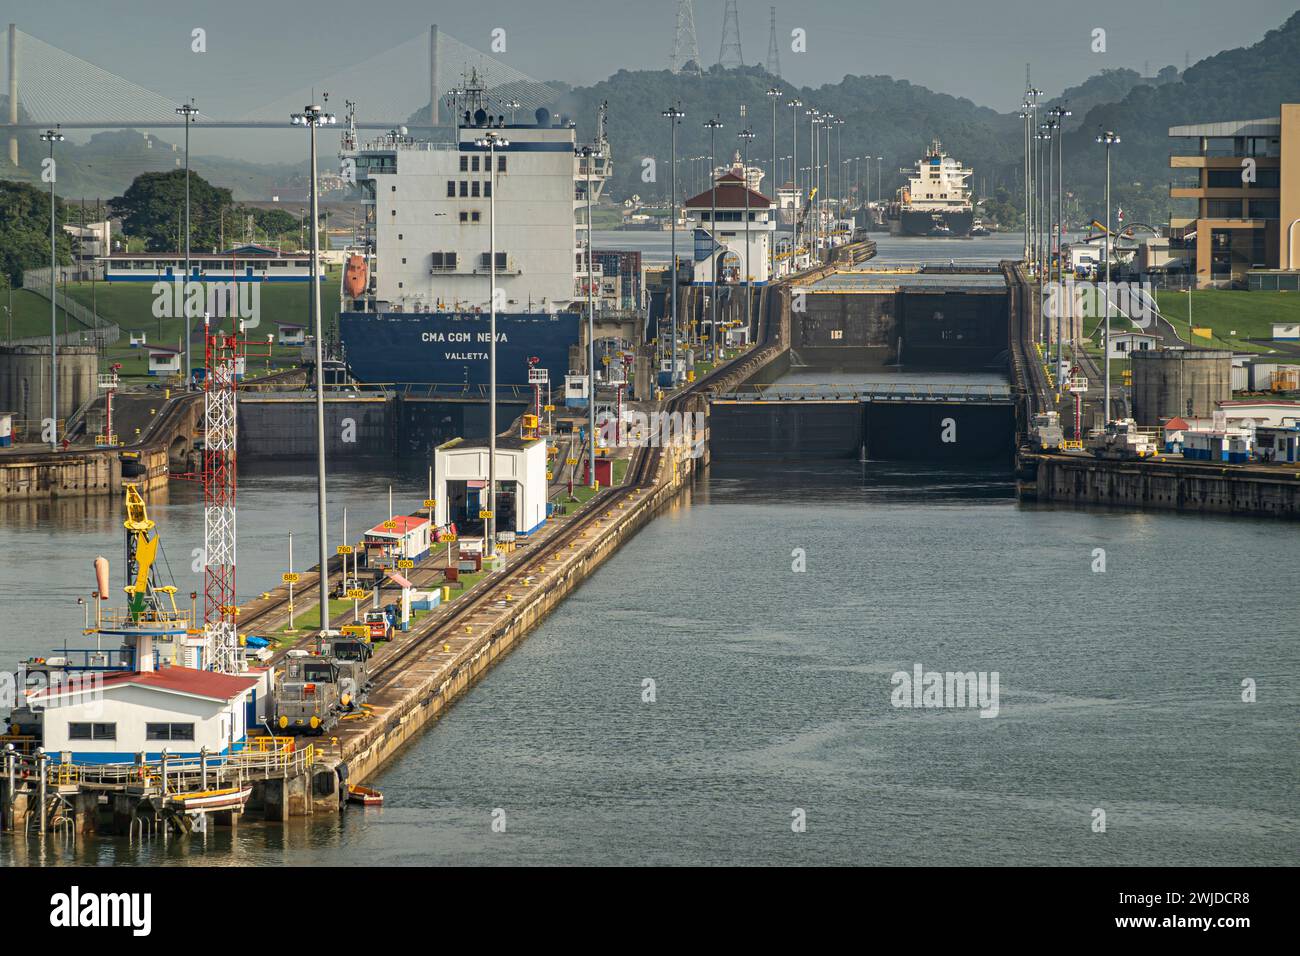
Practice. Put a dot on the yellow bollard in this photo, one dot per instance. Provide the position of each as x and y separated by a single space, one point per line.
446 648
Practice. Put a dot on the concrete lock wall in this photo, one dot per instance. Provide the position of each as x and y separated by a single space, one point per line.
885 431
1170 382
286 427
25 381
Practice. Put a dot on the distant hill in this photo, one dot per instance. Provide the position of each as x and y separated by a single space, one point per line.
884 117
1244 83
108 163
1108 86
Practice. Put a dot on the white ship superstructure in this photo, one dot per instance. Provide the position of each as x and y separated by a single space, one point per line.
936 199
428 213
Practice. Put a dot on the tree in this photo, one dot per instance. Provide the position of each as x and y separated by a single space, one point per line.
153 208
275 222
25 230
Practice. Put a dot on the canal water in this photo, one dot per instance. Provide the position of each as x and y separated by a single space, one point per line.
699 696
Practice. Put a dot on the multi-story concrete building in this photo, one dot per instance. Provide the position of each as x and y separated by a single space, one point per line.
1245 178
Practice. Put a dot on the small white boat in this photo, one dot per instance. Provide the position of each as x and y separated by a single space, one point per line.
227 798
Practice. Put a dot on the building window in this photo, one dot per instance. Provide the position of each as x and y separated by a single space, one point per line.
444 261
476 216
1265 209
485 260
168 731
451 189
464 217
474 193
403 263
92 731
501 164
474 165
464 164
487 188
464 188
399 237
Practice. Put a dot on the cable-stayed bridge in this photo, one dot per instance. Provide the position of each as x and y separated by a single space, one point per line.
49 86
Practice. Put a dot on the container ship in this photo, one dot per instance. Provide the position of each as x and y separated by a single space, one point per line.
936 200
415 299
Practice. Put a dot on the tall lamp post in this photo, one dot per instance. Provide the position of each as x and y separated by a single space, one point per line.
814 117
795 104
187 110
713 126
1059 113
1045 134
880 175
1108 138
492 142
311 117
839 160
1027 177
674 116
746 136
589 156
775 95
53 136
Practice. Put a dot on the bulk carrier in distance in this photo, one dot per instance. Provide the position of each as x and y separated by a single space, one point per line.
936 200
415 299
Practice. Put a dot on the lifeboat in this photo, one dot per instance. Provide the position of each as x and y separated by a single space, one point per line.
354 276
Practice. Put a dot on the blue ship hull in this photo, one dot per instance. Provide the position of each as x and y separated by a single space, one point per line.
451 349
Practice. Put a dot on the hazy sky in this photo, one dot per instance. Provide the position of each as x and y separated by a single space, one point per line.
259 50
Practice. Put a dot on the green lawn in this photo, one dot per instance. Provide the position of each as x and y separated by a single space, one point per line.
130 306
306 615
1233 314
32 316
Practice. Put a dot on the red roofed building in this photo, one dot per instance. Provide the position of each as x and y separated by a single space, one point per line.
735 206
401 537
110 718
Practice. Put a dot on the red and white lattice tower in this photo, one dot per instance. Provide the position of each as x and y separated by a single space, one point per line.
219 625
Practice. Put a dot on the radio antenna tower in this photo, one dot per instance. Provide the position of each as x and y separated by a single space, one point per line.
686 48
729 55
223 354
773 51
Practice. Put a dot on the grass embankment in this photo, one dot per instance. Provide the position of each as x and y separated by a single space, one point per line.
1234 316
306 616
32 317
130 306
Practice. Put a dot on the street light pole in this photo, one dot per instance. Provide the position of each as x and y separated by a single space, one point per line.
53 136
491 142
775 95
188 110
674 116
747 136
589 156
1025 186
795 104
713 126
1108 139
313 116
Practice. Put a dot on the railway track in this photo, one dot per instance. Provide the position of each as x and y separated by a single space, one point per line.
640 477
